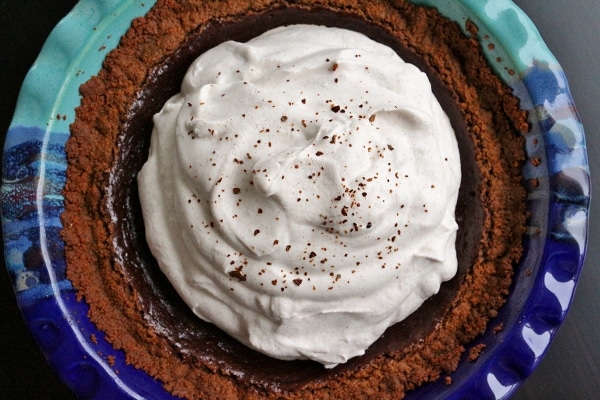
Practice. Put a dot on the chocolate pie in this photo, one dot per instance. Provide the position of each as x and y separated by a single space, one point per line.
110 263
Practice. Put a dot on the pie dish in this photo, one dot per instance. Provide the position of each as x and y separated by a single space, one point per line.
564 191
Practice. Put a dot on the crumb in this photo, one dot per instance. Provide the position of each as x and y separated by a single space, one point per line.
475 352
471 27
498 328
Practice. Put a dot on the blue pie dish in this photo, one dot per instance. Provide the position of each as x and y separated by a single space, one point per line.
34 166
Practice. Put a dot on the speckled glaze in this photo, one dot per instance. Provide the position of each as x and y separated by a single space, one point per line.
34 175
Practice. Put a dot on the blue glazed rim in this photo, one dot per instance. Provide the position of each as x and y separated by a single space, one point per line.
34 175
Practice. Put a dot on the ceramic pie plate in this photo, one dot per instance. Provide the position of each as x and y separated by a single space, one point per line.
34 166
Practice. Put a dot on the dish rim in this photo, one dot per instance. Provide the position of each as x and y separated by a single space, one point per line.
58 320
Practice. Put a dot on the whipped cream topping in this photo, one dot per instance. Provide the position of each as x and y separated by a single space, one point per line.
300 191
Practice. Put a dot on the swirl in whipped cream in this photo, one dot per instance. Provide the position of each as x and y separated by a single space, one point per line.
300 191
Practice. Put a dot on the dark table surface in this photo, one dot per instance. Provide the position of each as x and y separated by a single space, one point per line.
571 368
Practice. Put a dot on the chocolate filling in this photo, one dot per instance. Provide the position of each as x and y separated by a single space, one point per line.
160 304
